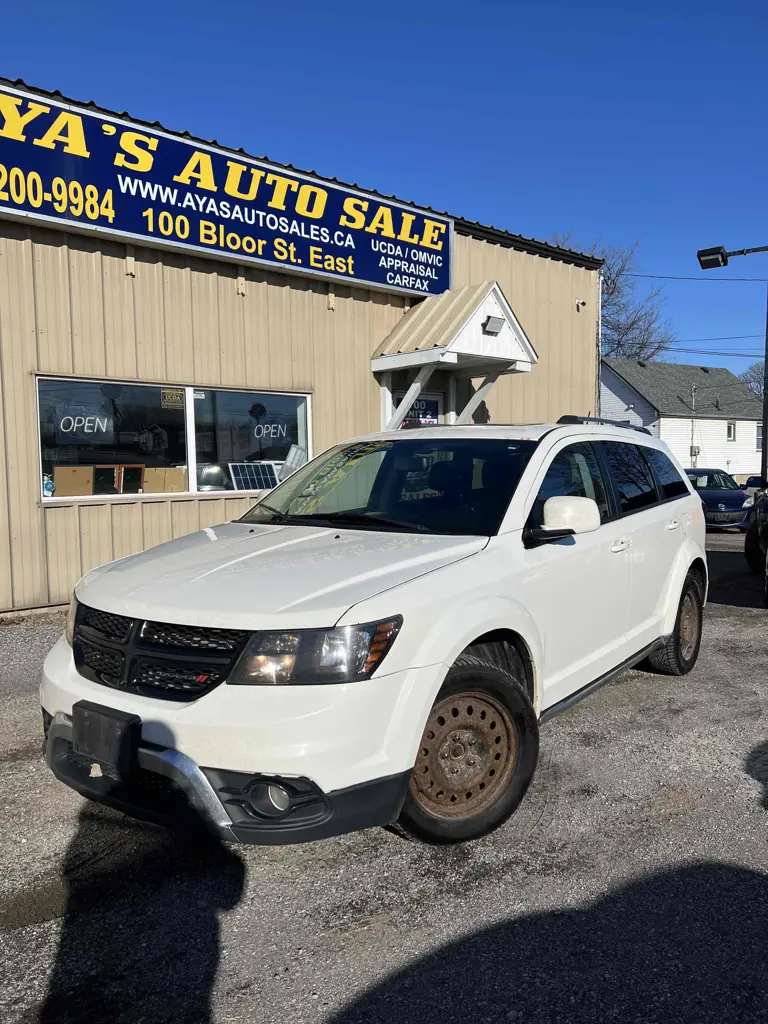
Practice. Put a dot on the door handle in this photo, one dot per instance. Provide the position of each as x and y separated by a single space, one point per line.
673 524
620 545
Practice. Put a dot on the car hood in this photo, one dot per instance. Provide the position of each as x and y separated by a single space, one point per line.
731 499
266 577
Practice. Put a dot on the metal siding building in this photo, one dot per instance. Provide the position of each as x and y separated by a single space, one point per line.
90 308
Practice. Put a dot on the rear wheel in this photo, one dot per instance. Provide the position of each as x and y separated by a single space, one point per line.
753 551
681 648
478 752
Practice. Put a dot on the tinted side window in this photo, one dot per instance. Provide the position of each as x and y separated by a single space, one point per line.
671 483
575 472
632 477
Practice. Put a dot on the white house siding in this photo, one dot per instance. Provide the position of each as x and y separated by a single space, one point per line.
739 457
618 401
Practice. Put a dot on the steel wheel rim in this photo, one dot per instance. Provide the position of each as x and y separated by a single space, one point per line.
689 627
467 756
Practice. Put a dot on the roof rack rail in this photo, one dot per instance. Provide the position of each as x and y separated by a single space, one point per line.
599 419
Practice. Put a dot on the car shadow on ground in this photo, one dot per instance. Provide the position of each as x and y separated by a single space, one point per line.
732 582
685 945
140 933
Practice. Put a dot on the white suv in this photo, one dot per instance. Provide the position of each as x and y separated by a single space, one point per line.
379 637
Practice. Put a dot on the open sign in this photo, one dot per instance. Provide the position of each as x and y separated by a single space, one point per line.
84 427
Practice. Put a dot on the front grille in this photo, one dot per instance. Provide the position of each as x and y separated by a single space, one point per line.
166 635
116 627
108 665
173 677
155 659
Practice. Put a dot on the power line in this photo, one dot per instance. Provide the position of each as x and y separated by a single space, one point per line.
712 280
713 352
725 337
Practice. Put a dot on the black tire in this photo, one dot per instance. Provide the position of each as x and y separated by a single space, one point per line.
753 550
473 770
680 649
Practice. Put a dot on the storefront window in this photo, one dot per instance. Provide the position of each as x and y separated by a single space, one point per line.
110 438
243 438
103 437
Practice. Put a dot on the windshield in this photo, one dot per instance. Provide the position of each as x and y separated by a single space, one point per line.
446 485
712 480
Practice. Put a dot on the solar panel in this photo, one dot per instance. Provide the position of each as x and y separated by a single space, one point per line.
253 476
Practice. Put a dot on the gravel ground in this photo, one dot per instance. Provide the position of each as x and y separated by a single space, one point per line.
631 885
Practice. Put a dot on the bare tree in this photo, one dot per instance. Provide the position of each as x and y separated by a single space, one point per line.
633 327
753 378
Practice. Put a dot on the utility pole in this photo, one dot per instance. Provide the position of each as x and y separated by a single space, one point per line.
694 454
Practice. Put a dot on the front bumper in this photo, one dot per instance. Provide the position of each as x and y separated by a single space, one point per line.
168 788
345 751
739 519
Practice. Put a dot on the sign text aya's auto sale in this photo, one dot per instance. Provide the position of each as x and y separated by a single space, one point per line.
63 163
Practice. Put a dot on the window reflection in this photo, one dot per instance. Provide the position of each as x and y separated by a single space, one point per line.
243 438
110 438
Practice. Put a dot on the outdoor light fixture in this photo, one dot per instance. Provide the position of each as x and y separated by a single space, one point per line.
493 324
711 259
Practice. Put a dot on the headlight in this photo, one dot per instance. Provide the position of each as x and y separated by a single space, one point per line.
315 656
748 503
69 629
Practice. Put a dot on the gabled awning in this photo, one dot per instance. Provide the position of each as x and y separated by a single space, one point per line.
453 329
472 332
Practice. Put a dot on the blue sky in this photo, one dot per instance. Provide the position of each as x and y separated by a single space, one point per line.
607 120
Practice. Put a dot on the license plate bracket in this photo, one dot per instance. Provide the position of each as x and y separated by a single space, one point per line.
105 735
722 517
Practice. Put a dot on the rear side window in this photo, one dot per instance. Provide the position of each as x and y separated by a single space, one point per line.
668 478
632 477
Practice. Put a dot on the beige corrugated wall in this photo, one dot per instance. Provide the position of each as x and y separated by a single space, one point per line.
74 305
543 293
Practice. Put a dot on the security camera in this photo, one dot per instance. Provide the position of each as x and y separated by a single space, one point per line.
580 303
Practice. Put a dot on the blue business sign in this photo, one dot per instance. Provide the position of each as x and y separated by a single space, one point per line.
72 167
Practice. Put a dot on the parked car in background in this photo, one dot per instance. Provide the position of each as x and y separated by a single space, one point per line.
378 638
756 539
726 503
753 485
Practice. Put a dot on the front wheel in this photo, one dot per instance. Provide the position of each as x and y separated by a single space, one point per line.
680 649
478 752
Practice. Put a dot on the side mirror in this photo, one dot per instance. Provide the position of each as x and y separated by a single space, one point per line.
565 516
756 481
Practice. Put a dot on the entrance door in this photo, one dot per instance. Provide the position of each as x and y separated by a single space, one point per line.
426 411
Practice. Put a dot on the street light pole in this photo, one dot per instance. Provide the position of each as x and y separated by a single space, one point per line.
712 259
764 453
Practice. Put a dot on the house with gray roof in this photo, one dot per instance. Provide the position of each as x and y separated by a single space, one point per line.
706 415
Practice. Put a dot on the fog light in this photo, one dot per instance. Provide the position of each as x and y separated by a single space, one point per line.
269 800
279 798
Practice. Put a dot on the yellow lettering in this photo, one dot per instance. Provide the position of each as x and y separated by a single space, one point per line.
277 202
382 223
431 236
315 254
354 213
208 232
198 166
234 178
14 122
67 129
311 201
133 144
281 249
405 227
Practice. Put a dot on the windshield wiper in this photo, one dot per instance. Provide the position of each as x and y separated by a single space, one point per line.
275 511
360 518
